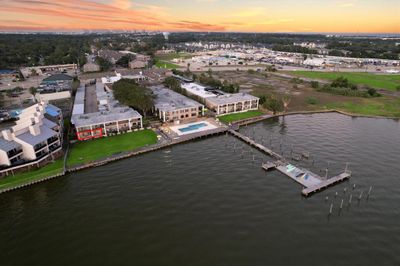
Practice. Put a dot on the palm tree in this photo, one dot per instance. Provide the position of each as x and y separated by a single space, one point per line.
286 101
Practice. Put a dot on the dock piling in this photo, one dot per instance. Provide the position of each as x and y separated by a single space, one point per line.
331 208
351 196
341 204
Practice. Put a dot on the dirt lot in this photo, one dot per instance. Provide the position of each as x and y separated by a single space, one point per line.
270 83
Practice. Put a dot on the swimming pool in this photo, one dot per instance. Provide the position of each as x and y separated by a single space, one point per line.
192 127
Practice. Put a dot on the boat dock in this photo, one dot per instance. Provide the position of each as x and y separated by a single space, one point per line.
326 183
310 181
256 145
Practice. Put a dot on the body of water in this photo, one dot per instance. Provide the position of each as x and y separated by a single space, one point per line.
206 203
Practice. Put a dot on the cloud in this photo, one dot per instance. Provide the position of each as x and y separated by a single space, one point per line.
84 14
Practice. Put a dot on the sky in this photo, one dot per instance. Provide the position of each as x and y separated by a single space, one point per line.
347 16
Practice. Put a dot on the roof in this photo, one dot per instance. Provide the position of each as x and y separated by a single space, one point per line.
52 110
58 77
7 71
116 114
168 100
198 90
79 103
48 123
231 98
6 145
45 133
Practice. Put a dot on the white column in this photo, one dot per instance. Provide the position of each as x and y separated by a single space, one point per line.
234 108
141 122
163 112
202 110
118 127
129 124
105 129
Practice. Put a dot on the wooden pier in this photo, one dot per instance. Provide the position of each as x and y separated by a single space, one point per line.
256 145
326 183
310 181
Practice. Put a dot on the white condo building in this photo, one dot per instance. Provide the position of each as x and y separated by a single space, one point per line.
37 133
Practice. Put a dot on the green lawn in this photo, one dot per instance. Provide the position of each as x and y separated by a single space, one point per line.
379 81
91 150
382 107
27 177
239 116
164 64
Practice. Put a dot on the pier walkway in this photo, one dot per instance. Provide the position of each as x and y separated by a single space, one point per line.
310 181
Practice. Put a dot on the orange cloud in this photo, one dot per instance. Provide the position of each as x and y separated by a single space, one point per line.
83 14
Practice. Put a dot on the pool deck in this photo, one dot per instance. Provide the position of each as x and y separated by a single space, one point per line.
177 128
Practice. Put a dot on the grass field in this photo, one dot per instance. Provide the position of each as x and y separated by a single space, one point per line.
239 116
87 151
26 177
164 64
382 107
379 81
171 56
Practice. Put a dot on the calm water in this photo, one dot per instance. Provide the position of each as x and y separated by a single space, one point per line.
204 204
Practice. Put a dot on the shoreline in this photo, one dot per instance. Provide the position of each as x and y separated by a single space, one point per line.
155 147
265 117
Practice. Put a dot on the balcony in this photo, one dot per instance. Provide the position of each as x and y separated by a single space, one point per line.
52 140
39 146
54 147
14 152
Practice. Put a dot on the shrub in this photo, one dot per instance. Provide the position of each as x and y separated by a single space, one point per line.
312 100
315 84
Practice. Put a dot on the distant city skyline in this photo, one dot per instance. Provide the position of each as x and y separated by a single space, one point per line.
306 16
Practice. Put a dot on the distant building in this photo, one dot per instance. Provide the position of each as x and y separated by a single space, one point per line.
8 73
110 55
37 133
221 102
112 117
111 80
41 70
91 67
136 64
170 106
232 103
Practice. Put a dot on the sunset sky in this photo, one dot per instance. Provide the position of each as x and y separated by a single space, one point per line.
357 16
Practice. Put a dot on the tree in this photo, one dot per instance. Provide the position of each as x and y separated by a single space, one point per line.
173 84
263 99
33 91
341 82
124 61
270 68
130 93
274 104
398 88
210 72
104 64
